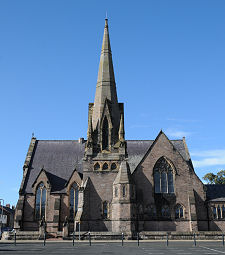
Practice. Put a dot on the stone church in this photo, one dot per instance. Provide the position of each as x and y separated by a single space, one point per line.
107 183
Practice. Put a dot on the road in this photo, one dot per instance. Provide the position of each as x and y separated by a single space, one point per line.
129 248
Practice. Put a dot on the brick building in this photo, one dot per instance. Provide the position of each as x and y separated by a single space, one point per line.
107 183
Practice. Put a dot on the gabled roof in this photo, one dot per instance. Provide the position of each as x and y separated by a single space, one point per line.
59 158
137 149
215 192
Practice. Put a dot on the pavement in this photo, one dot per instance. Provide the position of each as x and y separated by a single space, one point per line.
110 248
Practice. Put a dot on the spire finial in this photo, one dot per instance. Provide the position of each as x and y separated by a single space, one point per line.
106 15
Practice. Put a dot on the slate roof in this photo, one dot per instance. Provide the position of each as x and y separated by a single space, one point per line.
215 192
59 158
136 150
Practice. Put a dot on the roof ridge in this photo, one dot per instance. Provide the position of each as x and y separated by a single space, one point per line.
59 140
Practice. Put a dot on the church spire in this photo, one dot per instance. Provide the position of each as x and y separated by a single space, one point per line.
106 86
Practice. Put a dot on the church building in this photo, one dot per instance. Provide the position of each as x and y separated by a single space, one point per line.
106 183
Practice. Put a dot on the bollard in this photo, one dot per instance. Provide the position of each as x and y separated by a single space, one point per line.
223 239
138 238
79 231
194 239
44 238
167 239
89 234
122 238
73 237
15 238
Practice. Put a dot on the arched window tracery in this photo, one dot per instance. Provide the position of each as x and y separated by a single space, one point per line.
163 176
165 211
151 211
40 203
179 212
74 194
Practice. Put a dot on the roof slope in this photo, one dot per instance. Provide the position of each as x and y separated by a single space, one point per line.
59 158
136 150
215 192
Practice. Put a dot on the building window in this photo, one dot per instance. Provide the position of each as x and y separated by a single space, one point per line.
96 166
223 212
105 210
116 192
179 212
74 192
163 176
113 166
40 201
214 213
151 211
218 212
105 134
124 190
105 166
165 211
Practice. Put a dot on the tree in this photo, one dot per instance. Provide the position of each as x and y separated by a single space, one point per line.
218 178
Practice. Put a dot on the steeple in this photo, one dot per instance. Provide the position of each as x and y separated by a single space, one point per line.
106 86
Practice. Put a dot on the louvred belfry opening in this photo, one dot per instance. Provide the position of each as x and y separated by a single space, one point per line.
105 134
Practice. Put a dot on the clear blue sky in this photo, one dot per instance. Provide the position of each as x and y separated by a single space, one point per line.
169 61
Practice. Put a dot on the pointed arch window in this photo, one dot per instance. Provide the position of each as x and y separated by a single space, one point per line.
113 166
105 210
165 211
116 192
74 192
96 166
105 166
105 134
163 176
151 211
124 190
40 203
179 211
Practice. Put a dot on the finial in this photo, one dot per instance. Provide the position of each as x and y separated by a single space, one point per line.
106 15
33 135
